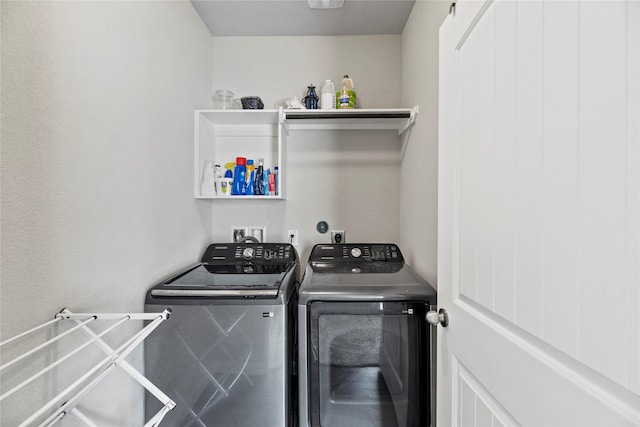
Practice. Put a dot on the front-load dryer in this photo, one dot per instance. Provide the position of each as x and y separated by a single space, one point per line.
364 343
226 353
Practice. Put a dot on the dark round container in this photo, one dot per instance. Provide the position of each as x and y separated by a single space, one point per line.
252 103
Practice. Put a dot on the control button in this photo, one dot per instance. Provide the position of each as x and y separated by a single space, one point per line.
247 253
356 252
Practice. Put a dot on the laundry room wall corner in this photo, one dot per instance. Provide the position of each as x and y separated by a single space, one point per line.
97 164
419 170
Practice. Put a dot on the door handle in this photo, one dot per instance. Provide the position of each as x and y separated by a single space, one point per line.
438 317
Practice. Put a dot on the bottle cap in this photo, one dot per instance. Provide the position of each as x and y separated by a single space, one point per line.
241 161
250 161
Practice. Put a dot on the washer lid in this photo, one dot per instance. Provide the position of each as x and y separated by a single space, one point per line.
244 280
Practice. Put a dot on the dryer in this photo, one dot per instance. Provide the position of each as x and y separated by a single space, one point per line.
226 354
364 343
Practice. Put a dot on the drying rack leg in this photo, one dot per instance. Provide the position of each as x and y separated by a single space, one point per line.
135 374
82 386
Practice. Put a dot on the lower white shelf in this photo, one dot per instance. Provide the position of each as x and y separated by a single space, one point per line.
241 197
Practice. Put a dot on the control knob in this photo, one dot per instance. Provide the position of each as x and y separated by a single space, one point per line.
356 252
247 253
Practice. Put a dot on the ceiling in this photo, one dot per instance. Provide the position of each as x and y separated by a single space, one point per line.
296 18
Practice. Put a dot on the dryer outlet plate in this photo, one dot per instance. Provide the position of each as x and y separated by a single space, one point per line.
338 236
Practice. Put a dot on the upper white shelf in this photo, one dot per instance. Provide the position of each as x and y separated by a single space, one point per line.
399 119
239 117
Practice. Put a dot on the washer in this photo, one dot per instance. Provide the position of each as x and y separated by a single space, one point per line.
226 354
364 355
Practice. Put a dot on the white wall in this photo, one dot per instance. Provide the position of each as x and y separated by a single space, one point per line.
349 179
97 130
419 171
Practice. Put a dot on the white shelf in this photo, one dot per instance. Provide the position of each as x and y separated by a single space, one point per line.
222 135
399 119
240 117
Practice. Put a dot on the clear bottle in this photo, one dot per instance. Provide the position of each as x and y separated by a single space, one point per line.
207 187
327 96
346 96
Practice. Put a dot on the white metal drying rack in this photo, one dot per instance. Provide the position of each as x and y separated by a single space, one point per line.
72 395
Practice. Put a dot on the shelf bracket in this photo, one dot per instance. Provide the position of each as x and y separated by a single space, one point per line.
410 121
282 120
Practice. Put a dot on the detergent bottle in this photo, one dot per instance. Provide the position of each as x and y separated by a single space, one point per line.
227 181
346 96
259 186
217 177
250 178
240 177
327 96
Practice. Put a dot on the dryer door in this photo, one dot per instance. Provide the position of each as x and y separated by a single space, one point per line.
368 364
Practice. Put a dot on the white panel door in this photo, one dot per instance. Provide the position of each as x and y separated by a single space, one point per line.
539 217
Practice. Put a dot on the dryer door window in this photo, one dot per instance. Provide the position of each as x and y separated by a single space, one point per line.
369 364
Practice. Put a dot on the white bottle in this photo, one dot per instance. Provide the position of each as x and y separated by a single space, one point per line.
217 176
328 96
207 187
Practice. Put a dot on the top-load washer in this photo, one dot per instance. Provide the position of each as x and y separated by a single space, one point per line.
364 343
226 354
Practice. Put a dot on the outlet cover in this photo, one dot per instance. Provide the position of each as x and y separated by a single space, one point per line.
338 236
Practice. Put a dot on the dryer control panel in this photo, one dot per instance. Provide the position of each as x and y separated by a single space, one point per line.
356 253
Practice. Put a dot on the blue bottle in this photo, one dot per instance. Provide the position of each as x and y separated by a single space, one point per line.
250 178
240 177
258 188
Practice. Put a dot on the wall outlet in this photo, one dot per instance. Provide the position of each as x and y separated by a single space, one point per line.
292 237
338 236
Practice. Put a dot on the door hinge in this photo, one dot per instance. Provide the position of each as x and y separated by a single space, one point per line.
452 8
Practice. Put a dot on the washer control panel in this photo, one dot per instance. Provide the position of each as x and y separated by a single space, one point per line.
356 253
255 252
